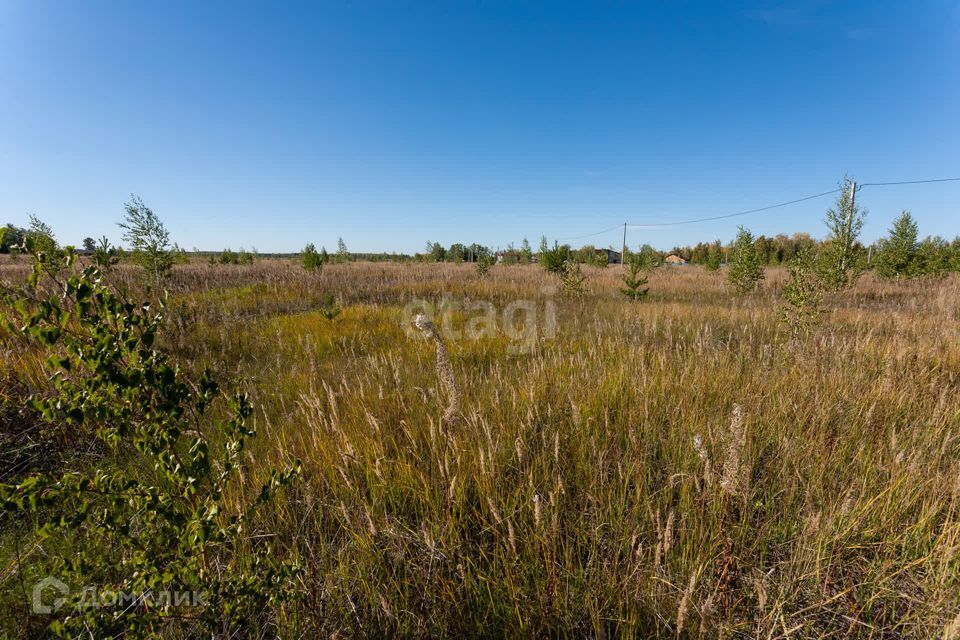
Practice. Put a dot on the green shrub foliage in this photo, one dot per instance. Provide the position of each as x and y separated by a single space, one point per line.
161 512
746 270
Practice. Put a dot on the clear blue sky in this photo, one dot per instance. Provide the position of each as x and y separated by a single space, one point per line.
268 126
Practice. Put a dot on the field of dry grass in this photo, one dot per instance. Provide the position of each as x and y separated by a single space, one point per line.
672 467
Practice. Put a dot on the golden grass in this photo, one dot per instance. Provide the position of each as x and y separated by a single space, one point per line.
571 498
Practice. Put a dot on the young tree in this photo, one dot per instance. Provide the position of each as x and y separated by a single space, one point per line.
39 236
435 251
149 239
484 263
456 253
342 254
649 257
554 260
699 253
714 257
587 254
11 238
745 271
841 259
934 257
228 256
764 249
898 255
635 280
802 297
311 260
572 281
104 255
330 308
955 254
526 253
246 257
40 241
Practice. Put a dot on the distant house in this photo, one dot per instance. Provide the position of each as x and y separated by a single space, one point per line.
510 256
674 260
613 257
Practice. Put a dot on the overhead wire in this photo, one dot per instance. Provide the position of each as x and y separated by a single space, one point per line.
886 184
590 235
655 225
738 213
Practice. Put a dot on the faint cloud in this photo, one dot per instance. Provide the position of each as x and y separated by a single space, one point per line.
793 14
859 33
807 14
780 16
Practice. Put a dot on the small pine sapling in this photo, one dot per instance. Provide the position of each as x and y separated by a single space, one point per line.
484 264
635 279
572 280
330 310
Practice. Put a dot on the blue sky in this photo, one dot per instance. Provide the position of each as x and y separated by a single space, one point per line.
269 125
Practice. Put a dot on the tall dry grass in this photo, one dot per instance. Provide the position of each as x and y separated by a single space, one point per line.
664 468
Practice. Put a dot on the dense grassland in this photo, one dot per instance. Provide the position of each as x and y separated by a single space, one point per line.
670 467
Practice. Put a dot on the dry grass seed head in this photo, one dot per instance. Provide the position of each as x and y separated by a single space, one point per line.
444 369
732 478
684 607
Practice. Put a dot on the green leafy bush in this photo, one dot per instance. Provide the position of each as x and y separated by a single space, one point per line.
746 270
163 514
572 281
802 297
39 241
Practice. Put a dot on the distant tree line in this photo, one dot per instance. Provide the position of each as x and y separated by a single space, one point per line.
901 254
456 252
838 259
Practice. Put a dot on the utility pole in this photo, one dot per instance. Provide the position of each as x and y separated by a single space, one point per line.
623 254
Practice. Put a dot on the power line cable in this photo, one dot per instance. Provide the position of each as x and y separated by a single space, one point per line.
738 213
885 184
590 235
655 225
720 217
